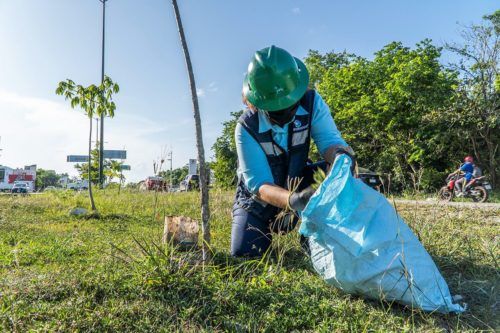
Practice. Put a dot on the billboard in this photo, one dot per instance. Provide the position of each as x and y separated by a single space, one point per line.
25 174
125 167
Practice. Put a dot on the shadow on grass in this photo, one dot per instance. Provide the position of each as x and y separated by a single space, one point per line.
478 285
108 217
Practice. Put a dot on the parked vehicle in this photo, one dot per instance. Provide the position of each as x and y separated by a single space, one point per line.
154 183
10 176
49 189
477 189
191 182
6 187
371 179
79 185
20 188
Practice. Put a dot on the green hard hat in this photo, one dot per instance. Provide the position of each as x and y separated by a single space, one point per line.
275 80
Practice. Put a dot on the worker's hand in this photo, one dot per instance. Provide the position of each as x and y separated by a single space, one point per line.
297 201
335 151
353 160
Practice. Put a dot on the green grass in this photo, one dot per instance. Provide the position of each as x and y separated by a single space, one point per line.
62 273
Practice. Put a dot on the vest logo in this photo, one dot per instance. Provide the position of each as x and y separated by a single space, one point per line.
297 123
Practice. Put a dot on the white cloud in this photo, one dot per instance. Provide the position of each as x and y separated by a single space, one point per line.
200 92
40 131
296 10
211 88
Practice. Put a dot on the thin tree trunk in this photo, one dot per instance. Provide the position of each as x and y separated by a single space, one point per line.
121 180
92 204
492 152
205 213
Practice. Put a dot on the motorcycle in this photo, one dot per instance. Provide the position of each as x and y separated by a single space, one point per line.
477 189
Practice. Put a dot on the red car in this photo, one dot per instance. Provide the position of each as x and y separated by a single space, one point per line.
155 183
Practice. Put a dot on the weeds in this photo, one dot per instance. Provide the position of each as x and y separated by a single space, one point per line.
62 273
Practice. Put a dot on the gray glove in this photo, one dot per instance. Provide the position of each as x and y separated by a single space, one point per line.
297 201
334 151
352 156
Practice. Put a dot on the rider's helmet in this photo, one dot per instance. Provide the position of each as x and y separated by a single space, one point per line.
469 159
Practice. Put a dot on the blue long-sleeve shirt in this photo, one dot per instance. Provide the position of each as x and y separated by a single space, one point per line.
252 162
468 169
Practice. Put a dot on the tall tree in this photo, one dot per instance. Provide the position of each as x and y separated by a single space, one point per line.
318 64
205 212
477 111
226 159
175 175
83 168
383 108
93 100
46 178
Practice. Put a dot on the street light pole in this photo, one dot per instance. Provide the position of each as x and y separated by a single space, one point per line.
97 131
101 141
170 159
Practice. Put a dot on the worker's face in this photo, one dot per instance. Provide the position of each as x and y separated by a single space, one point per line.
282 117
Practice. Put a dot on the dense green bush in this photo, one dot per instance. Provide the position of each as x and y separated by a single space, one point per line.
432 180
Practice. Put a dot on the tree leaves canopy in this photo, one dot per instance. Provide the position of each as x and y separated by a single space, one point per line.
93 100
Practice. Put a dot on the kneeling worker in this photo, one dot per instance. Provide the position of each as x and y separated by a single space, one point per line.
272 139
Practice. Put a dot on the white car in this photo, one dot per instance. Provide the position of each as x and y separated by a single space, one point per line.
78 185
21 188
50 188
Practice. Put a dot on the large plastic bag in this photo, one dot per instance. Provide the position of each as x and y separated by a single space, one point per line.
359 244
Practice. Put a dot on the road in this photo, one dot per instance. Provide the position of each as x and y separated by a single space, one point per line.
430 202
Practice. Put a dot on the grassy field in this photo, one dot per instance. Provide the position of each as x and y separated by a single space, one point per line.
110 273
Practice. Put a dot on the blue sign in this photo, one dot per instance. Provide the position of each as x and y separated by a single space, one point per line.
115 154
109 154
77 158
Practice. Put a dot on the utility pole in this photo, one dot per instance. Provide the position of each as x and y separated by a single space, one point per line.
170 159
97 131
101 142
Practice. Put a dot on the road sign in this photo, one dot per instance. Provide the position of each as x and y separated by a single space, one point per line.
125 167
109 154
115 154
77 158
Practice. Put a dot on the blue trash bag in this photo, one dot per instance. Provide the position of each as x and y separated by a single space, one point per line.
361 245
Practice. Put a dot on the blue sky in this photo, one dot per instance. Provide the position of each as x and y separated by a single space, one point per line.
45 41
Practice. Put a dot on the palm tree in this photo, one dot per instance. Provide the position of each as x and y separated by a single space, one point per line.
113 171
93 100
205 213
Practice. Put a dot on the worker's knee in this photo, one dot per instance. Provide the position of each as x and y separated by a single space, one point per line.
250 237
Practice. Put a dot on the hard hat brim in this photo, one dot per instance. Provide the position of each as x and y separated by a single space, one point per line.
283 102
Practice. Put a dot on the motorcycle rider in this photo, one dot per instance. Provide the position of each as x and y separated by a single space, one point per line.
468 169
272 142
